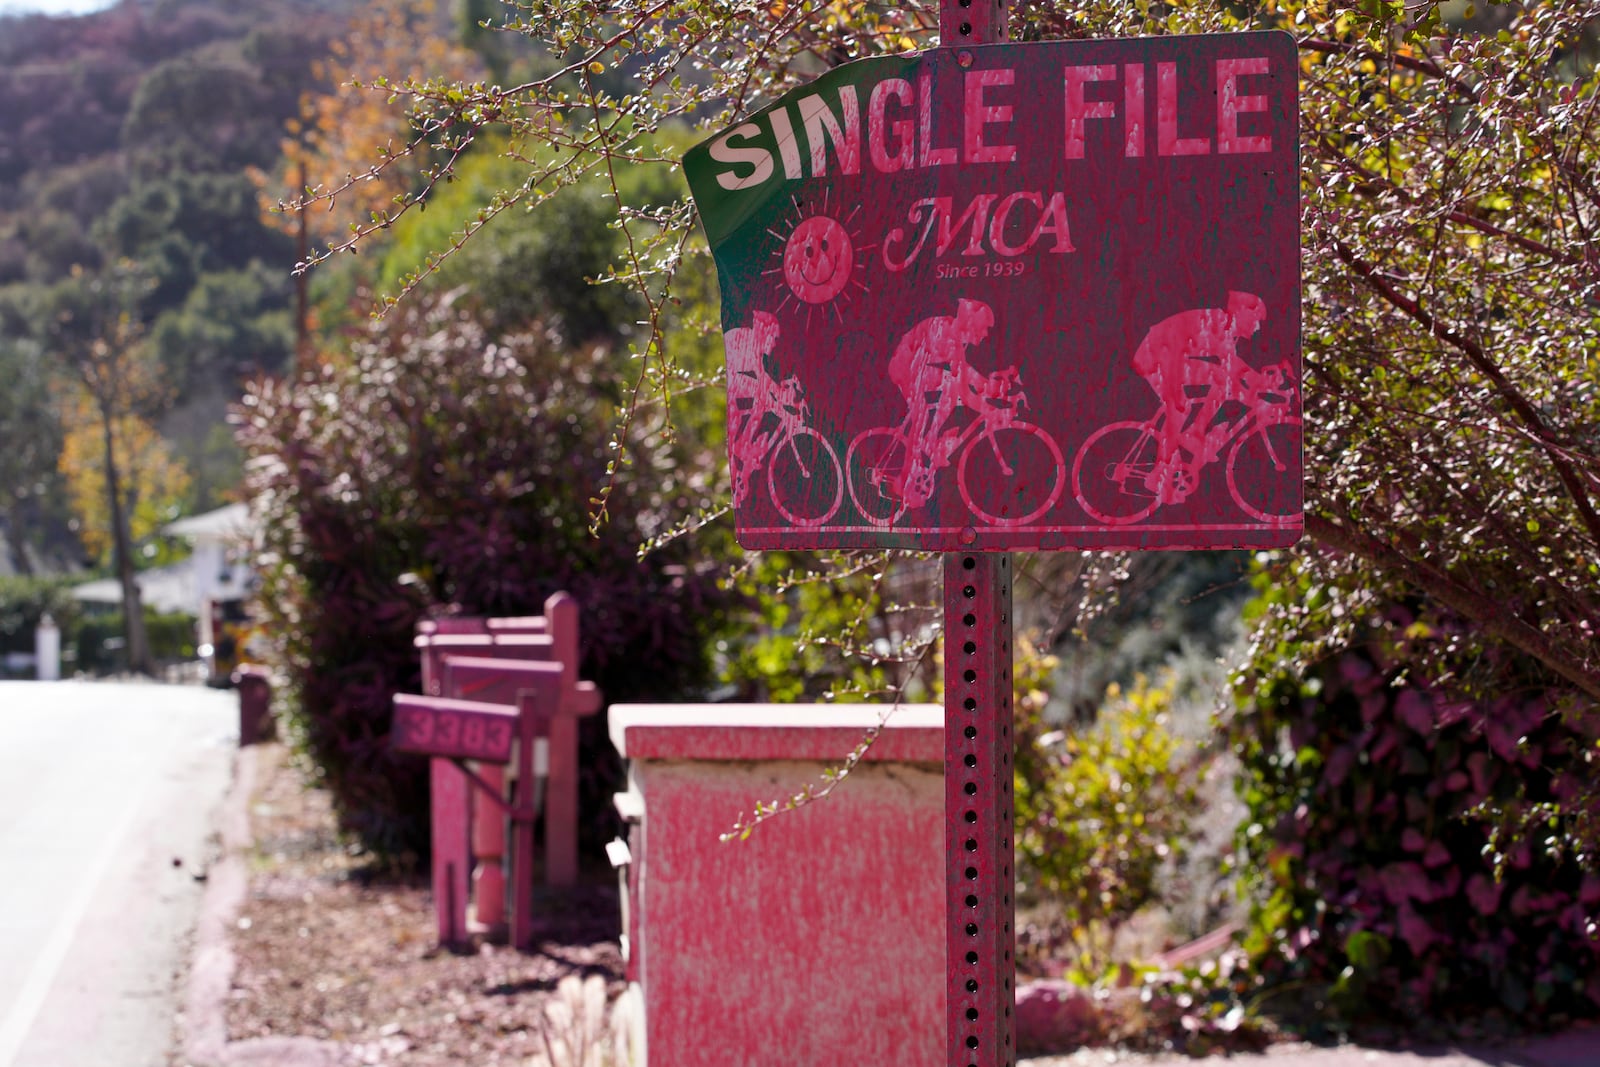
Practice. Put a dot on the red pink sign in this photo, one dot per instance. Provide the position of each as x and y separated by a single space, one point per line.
457 729
1016 297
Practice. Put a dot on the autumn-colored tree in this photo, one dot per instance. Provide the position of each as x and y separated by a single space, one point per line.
352 150
93 329
152 482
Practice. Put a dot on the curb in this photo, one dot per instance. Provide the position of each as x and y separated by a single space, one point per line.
203 1024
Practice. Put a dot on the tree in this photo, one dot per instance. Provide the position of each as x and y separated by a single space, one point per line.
32 432
191 113
348 139
1449 246
152 484
231 325
91 326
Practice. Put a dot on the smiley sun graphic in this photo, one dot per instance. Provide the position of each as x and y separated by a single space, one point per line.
818 258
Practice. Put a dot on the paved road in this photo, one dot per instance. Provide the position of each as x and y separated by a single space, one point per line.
103 787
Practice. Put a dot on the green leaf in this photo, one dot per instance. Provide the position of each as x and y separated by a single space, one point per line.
1367 951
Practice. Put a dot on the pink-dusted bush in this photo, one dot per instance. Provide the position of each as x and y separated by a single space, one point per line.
1420 854
440 468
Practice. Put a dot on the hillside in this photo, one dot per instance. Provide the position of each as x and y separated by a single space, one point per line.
129 136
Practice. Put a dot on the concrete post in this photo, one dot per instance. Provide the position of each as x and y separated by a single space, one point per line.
47 650
255 705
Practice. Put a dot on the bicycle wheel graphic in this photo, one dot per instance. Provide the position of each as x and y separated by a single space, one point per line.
875 470
1030 488
1109 472
1258 472
804 479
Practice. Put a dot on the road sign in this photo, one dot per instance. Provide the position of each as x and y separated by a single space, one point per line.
1024 296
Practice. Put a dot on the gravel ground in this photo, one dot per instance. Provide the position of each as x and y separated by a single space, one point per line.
326 951
336 967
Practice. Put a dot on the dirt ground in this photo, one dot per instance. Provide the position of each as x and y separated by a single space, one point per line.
329 954
327 950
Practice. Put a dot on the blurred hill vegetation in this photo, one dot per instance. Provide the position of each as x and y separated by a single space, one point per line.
130 136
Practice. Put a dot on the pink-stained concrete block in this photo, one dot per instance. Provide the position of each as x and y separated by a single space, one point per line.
913 733
817 940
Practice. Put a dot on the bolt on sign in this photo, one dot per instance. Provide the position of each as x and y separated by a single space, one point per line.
1016 296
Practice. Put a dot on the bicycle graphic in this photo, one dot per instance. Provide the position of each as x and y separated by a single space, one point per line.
1118 478
1016 466
804 479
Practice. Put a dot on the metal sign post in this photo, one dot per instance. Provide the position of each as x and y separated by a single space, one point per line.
996 297
979 809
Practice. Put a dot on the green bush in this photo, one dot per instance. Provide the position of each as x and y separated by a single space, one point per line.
24 600
1099 810
96 640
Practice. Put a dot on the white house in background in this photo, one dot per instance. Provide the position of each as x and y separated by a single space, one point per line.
212 584
214 573
221 541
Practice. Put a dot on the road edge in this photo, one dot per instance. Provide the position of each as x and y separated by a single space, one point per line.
203 1025
203 1021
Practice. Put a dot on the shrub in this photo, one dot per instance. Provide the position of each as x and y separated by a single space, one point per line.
1099 810
90 641
1377 799
823 628
441 469
25 600
97 639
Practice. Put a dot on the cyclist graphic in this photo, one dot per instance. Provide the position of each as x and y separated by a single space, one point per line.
930 368
1191 360
752 395
1008 471
1214 407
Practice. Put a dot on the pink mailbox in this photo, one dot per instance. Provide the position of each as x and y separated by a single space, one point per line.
551 638
820 937
500 681
456 730
484 624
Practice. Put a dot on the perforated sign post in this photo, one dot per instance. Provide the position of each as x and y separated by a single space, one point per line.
992 297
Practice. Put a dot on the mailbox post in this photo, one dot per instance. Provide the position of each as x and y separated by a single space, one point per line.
503 681
461 730
469 664
452 732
